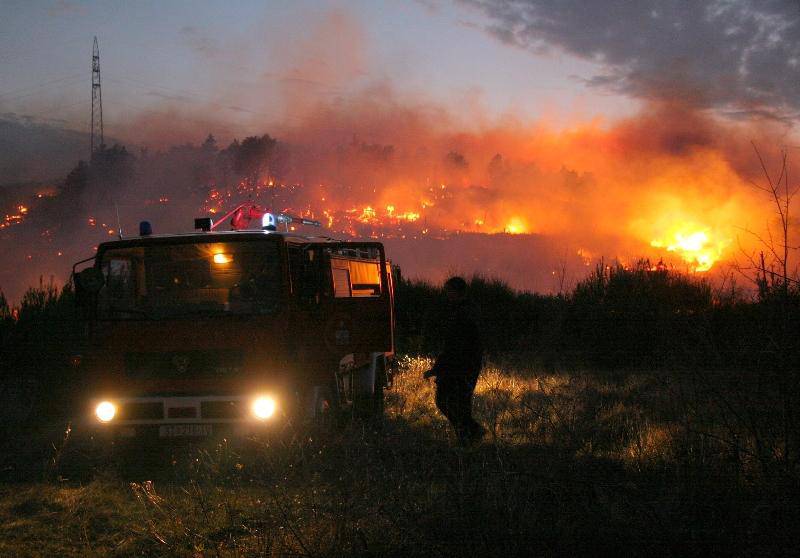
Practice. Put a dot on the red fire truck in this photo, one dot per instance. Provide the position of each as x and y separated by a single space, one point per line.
211 332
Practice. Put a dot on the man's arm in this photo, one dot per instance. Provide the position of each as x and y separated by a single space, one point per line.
439 367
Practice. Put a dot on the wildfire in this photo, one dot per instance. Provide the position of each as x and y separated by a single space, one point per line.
368 215
697 246
516 225
408 216
16 218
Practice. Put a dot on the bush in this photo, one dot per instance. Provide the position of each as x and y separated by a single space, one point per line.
39 337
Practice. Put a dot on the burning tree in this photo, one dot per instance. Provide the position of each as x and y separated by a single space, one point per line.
253 157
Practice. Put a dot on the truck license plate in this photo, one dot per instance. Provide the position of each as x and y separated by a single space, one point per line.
180 430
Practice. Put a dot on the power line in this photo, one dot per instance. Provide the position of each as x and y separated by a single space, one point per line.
48 111
22 91
141 85
46 49
143 110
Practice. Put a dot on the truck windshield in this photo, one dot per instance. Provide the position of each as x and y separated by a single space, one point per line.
174 280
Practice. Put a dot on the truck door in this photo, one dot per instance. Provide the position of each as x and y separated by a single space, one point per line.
359 313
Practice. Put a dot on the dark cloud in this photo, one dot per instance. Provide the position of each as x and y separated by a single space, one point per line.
739 55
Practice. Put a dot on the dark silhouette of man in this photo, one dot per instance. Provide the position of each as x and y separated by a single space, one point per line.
458 365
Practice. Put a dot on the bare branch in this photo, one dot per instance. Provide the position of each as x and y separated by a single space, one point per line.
761 162
768 245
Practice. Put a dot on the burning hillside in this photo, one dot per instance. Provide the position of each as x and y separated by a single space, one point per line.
668 184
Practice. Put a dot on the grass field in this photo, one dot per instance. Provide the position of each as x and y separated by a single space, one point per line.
575 463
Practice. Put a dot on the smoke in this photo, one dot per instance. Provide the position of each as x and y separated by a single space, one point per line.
670 182
22 144
449 187
741 56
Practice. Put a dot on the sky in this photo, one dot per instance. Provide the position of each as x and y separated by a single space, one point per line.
247 61
616 129
244 55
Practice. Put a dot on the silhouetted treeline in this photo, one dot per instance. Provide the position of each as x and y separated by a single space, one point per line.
617 318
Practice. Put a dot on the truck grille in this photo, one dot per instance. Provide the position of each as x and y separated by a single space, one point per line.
183 364
181 412
223 409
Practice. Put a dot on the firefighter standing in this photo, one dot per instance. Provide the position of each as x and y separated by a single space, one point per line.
458 365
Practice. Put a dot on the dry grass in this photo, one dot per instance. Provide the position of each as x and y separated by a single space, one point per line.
574 464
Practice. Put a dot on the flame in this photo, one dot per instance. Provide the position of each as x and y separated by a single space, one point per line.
368 215
408 216
653 186
700 247
516 225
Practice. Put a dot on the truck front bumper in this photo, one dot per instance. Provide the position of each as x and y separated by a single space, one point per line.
188 417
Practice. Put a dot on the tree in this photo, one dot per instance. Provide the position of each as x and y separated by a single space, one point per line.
252 158
771 269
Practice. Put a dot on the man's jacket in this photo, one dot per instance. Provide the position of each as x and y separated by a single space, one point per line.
462 349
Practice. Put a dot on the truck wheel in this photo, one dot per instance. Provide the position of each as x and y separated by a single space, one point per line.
368 395
378 396
324 407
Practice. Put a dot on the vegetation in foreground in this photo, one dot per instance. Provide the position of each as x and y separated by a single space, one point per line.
613 428
575 463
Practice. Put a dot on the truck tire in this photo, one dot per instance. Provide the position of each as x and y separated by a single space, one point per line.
323 405
368 395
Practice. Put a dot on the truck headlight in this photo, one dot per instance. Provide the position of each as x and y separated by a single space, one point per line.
263 407
105 411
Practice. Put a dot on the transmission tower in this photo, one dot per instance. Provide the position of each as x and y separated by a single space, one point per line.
97 101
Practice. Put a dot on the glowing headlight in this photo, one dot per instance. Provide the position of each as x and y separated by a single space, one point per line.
264 407
105 411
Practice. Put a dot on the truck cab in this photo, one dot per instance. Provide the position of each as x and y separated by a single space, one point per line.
213 332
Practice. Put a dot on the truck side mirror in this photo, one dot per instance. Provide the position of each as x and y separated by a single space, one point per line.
87 284
90 280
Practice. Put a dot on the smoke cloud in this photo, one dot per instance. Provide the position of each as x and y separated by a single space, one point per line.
742 56
448 187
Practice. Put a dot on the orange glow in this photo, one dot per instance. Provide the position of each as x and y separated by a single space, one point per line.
408 216
658 185
222 259
516 226
698 247
368 215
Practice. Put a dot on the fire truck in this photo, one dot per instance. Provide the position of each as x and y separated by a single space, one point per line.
209 332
